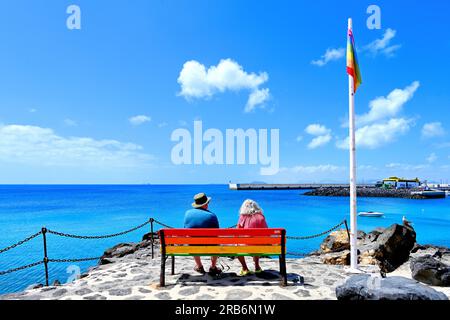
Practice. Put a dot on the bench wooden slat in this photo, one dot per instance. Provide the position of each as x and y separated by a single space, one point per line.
222 232
222 240
211 250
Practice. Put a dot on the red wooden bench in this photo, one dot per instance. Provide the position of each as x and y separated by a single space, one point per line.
223 242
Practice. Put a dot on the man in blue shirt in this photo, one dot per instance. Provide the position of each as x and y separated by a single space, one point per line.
201 217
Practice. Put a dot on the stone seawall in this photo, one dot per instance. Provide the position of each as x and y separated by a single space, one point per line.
363 192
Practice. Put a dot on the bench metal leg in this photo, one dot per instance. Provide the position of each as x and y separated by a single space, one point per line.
283 272
173 265
162 276
283 259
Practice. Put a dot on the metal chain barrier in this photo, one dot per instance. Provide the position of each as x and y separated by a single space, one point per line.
169 227
162 224
21 242
21 268
68 235
319 234
46 260
73 260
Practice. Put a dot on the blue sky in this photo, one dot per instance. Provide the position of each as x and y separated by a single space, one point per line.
99 104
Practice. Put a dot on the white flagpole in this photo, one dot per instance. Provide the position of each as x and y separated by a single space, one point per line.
353 223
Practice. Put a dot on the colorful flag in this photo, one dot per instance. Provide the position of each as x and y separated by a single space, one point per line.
352 61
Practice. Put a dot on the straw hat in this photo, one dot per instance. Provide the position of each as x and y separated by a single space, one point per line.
200 199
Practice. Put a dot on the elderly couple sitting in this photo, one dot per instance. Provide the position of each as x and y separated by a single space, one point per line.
250 216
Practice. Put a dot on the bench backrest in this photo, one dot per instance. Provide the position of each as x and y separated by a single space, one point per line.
223 242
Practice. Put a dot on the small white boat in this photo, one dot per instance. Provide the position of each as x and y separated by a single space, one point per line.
429 193
370 214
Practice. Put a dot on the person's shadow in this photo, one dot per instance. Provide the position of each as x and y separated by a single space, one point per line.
266 278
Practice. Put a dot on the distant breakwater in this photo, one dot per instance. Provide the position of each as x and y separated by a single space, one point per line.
364 192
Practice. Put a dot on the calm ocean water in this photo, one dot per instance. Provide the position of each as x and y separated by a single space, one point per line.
105 209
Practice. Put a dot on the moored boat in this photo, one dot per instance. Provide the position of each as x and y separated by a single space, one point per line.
370 214
430 194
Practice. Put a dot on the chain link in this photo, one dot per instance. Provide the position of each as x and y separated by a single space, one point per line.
73 260
317 235
21 242
125 232
21 268
68 235
166 226
162 224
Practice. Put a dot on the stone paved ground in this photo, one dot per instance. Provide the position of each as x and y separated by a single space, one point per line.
136 276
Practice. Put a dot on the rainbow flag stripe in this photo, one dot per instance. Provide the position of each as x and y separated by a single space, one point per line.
352 61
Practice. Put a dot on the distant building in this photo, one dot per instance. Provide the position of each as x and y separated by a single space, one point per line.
400 183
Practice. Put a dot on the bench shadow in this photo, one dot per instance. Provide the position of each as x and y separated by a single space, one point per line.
266 278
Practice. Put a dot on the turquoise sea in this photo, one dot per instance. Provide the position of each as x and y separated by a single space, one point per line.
106 209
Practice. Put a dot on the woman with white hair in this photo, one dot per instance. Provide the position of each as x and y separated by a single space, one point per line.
250 216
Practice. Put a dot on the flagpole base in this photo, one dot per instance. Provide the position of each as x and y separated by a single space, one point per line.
352 270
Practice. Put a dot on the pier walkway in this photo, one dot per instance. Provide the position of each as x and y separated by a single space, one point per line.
263 186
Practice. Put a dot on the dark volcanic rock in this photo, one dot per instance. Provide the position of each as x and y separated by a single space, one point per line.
148 237
431 271
121 250
389 248
118 251
361 192
373 235
418 247
56 283
365 287
35 286
335 241
393 246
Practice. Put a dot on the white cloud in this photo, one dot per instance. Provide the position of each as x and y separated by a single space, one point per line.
376 135
330 55
316 129
384 107
197 81
431 158
299 138
432 129
407 166
311 173
32 110
383 45
39 146
321 133
257 98
313 169
140 119
319 141
162 124
70 123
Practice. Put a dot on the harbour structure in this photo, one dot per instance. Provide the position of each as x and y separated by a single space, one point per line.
288 186
400 183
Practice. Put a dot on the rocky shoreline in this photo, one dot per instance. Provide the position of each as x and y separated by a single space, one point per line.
389 257
364 192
